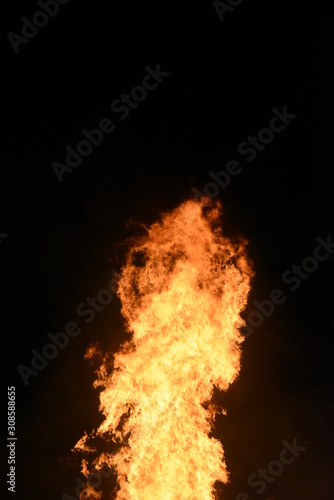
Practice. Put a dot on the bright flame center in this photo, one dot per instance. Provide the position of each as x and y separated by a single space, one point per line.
182 290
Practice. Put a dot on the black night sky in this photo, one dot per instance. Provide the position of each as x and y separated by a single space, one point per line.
212 86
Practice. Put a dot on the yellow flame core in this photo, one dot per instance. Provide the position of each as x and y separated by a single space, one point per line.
182 303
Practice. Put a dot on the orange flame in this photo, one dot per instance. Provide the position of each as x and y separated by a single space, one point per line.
182 290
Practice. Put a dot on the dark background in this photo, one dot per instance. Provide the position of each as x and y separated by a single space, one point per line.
65 238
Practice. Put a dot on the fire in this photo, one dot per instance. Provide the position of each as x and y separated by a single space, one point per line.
182 289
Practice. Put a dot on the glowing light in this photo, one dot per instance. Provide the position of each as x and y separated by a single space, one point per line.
182 289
